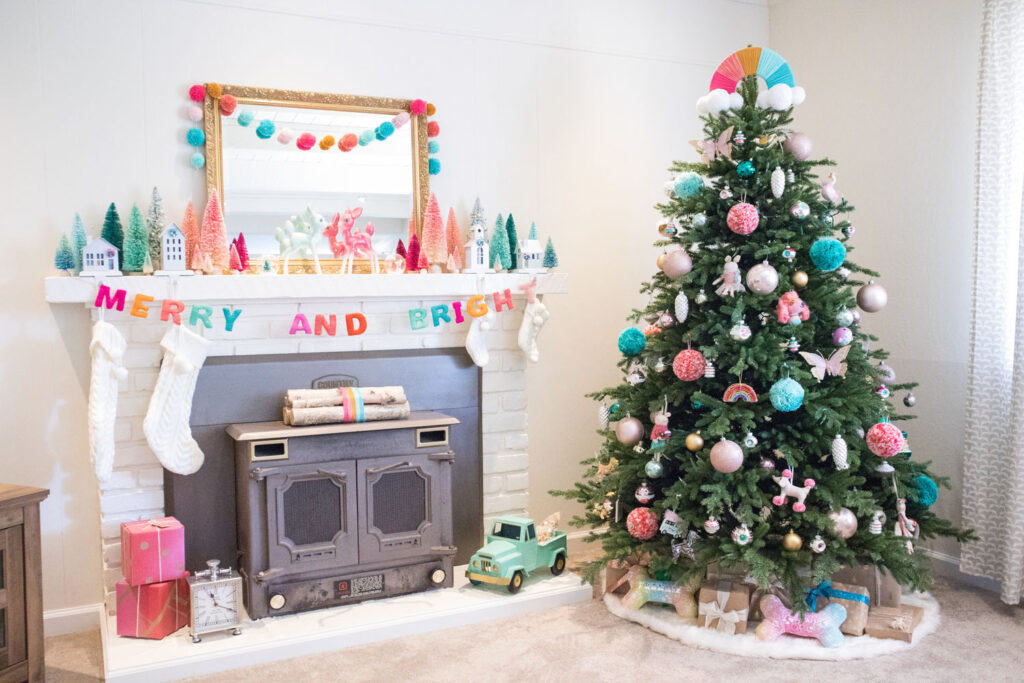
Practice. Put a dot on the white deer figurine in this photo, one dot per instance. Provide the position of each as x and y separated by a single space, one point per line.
300 236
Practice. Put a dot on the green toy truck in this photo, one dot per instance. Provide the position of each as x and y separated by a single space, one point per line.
512 552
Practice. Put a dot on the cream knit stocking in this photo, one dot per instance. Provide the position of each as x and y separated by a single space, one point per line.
107 351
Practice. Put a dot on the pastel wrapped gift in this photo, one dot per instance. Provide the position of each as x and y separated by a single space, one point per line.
724 606
152 551
153 610
894 623
854 598
882 587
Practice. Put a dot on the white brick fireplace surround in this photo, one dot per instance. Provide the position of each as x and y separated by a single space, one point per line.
269 304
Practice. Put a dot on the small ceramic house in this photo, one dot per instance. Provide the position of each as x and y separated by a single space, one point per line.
173 248
530 256
99 258
477 251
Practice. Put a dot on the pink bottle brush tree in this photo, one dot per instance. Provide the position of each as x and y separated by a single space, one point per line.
213 240
434 245
453 237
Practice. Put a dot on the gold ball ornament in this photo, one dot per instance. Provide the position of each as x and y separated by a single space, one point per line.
694 442
661 260
792 541
800 278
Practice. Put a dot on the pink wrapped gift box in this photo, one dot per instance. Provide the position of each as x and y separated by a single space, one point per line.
155 610
152 551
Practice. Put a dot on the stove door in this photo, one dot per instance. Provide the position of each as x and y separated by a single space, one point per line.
311 517
401 503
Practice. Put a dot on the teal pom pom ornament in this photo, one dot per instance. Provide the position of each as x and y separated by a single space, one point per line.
827 254
386 129
745 169
433 166
195 136
787 395
433 147
245 117
687 185
197 160
266 129
366 137
927 490
632 341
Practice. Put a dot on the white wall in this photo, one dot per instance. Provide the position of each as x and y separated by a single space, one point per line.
892 97
564 113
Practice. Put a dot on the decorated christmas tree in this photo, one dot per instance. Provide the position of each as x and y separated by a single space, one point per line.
156 223
64 259
213 240
434 245
136 242
501 254
513 243
79 240
112 231
756 424
190 229
550 257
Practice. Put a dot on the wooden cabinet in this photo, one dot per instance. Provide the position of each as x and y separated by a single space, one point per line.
21 586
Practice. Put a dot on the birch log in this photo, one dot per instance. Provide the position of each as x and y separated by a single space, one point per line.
331 414
318 398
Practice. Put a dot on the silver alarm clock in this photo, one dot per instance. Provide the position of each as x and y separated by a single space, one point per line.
215 595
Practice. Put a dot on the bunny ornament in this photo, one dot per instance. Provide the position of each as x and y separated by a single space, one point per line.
731 279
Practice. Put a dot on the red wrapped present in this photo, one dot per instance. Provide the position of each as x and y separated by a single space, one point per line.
152 551
154 610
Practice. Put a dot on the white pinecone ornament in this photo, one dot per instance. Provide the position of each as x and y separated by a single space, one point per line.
682 307
839 453
778 182
603 416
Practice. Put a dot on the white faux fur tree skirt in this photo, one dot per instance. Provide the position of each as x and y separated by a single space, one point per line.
664 620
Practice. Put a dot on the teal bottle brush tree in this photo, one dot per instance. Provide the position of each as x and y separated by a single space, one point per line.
755 426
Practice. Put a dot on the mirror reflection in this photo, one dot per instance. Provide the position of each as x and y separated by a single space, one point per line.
266 181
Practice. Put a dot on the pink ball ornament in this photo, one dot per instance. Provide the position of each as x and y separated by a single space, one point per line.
629 431
689 365
842 336
726 456
884 439
676 264
642 523
799 145
743 218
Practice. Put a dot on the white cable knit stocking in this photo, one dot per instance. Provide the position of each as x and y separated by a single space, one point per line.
534 317
476 343
107 351
167 419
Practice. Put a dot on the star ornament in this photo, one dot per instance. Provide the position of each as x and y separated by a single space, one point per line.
712 149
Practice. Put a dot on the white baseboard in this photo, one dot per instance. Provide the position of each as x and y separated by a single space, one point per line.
57 622
948 566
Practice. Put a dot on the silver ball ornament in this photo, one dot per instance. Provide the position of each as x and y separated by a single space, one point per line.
629 430
654 469
799 145
844 318
676 264
886 373
726 456
762 278
872 297
844 522
910 400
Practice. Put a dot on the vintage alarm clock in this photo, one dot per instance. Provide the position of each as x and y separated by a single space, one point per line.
216 598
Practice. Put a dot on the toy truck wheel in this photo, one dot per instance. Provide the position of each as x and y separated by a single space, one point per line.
559 565
516 583
475 582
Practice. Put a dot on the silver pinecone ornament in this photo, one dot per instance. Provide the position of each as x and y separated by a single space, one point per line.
778 182
682 307
603 416
839 453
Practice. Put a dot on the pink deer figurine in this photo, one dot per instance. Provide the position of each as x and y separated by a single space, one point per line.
354 242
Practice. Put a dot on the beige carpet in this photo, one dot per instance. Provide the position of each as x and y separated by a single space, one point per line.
980 640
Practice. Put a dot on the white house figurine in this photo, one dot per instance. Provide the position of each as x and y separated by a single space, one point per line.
478 252
174 253
99 259
530 256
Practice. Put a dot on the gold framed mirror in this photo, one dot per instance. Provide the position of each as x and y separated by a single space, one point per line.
263 180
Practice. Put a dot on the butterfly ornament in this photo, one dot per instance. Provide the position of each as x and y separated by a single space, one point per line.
712 149
834 366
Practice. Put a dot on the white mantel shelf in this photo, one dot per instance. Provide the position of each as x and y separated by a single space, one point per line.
78 290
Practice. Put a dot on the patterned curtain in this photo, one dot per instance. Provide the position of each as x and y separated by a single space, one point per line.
993 496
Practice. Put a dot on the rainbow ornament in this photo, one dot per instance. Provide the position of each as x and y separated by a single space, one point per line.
750 61
740 392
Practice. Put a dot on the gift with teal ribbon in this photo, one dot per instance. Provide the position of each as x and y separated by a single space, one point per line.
855 599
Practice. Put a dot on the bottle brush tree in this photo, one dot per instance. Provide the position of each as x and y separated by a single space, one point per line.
500 252
113 232
156 223
433 244
190 230
79 240
513 243
64 258
136 242
550 257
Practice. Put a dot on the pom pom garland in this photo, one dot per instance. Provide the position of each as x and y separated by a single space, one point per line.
400 120
214 90
787 395
326 142
245 117
365 138
228 104
285 136
433 147
884 439
687 185
417 107
197 160
827 253
433 166
743 218
348 142
433 129
195 113
431 109
265 130
386 129
305 141
632 341
197 93
196 136
689 365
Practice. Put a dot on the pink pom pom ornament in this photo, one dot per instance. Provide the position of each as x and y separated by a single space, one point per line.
348 142
417 107
197 93
433 130
884 439
285 136
228 104
642 523
195 113
689 365
743 218
400 120
306 141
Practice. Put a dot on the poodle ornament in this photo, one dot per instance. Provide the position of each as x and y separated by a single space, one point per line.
791 309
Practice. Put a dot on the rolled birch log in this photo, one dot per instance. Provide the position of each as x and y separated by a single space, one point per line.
332 414
316 398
